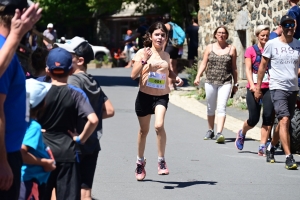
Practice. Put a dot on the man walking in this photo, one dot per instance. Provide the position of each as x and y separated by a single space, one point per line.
284 54
294 12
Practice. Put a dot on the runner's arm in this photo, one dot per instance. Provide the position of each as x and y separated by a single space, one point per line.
234 68
248 63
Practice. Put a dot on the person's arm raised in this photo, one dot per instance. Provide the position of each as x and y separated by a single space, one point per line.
21 23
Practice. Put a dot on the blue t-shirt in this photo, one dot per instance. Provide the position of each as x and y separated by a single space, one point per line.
273 35
12 84
34 140
295 13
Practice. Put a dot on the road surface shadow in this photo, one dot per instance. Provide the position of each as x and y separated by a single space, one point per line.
233 139
122 81
182 184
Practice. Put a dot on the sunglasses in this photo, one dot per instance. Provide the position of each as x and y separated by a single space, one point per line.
292 25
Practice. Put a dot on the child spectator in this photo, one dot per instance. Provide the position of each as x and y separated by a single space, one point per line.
64 105
37 163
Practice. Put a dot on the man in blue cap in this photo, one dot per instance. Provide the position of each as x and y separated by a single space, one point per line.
13 116
65 104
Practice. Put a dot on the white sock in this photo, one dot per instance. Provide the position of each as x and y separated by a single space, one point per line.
161 159
138 159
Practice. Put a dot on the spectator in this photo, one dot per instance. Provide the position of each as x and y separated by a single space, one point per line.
82 53
276 33
283 85
50 33
18 29
64 105
294 12
171 49
140 33
37 161
13 113
192 41
219 61
38 63
253 56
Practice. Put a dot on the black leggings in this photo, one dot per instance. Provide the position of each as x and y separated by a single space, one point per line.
254 108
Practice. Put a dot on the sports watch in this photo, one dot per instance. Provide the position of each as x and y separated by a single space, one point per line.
236 84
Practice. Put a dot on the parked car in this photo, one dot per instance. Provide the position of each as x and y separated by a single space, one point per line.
99 52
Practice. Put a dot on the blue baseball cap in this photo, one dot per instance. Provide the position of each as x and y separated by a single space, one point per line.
59 61
37 91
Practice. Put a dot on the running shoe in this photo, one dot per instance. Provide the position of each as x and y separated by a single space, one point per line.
290 162
239 141
140 172
209 135
270 155
219 138
162 168
261 150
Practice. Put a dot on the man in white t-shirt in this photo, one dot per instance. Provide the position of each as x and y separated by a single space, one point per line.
284 54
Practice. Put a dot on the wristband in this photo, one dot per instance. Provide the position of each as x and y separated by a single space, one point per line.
144 62
77 139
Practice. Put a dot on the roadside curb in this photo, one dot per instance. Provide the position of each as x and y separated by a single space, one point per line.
195 107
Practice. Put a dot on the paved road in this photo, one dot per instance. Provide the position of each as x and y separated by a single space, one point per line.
198 169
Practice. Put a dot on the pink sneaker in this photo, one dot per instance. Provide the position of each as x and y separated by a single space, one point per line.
162 168
140 172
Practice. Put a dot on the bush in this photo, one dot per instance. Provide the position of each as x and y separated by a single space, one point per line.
192 73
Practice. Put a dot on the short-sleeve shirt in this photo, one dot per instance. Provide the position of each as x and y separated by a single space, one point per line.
154 74
285 61
97 98
63 105
250 53
12 84
295 13
50 35
34 140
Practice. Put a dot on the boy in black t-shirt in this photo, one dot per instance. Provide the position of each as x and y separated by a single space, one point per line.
82 54
64 104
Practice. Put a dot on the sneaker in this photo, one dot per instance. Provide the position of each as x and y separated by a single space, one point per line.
219 138
162 168
270 155
261 150
209 135
290 162
239 141
140 172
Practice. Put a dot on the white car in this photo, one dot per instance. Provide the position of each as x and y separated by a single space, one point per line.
99 51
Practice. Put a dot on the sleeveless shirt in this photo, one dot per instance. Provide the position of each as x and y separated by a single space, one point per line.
219 68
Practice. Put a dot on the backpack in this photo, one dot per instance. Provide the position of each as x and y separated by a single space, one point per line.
257 61
178 35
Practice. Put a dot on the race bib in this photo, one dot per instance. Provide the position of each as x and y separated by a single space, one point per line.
156 80
265 78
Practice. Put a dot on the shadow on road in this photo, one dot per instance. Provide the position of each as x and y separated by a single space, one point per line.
233 139
121 81
182 184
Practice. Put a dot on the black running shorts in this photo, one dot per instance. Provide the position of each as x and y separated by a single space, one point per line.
145 103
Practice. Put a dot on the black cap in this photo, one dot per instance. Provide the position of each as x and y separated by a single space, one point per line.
286 18
12 5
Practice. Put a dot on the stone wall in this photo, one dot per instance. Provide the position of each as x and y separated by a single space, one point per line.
241 17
